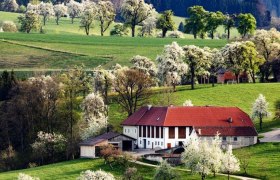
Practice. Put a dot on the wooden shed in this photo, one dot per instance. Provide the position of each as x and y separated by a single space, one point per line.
90 148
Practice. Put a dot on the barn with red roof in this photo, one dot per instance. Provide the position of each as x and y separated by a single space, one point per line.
167 127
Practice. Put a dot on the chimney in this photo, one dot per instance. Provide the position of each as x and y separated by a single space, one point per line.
230 120
149 107
199 131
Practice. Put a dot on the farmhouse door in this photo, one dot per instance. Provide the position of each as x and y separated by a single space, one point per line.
168 145
145 143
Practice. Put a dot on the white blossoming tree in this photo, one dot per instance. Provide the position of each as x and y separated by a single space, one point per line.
59 11
103 80
74 9
148 26
260 109
170 65
9 5
95 175
197 59
205 157
47 144
232 58
188 102
135 12
22 176
88 15
105 15
267 44
33 8
95 115
196 157
144 64
230 163
46 10
216 63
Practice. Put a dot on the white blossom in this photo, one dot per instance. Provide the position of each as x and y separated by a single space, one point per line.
33 8
170 64
46 10
188 102
135 12
93 107
230 163
260 107
59 11
175 34
23 176
148 26
74 9
95 175
144 64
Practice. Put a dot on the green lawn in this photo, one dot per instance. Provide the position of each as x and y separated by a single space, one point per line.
264 161
72 169
239 95
90 50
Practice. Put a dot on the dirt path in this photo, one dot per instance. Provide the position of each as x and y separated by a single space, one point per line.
271 136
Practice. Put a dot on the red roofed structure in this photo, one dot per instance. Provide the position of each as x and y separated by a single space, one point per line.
166 127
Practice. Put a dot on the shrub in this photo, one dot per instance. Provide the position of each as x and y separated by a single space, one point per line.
175 34
95 175
131 174
22 9
119 30
22 176
110 154
9 26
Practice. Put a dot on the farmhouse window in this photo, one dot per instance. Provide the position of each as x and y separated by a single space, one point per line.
224 138
153 131
235 138
140 131
182 132
144 131
157 132
149 132
171 132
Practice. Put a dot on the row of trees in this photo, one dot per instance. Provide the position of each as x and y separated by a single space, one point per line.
201 21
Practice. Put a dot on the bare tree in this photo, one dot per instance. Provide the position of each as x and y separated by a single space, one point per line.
132 87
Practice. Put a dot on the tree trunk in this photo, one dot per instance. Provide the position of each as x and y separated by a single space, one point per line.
260 116
237 77
57 20
44 20
192 77
228 33
72 20
102 28
213 81
133 30
228 175
194 35
164 31
212 34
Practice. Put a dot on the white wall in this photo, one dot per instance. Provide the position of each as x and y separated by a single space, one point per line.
175 142
131 131
87 151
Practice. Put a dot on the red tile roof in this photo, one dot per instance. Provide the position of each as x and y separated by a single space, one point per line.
226 131
194 116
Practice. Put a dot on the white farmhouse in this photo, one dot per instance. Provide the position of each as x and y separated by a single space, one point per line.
167 127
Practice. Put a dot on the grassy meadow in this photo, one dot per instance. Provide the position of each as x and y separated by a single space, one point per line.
66 45
264 160
72 169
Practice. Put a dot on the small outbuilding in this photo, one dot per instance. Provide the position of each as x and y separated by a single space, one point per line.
90 148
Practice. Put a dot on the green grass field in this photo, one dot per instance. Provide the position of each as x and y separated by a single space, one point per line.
264 161
239 95
77 49
263 164
72 169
